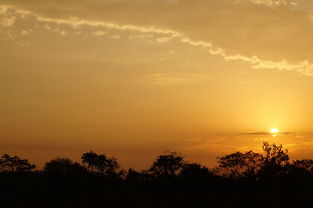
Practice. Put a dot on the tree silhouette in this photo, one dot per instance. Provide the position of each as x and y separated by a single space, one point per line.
91 160
275 155
15 164
168 165
133 175
246 179
63 166
194 170
301 168
306 164
100 164
240 164
276 160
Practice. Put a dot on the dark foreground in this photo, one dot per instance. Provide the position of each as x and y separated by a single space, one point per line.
247 179
38 190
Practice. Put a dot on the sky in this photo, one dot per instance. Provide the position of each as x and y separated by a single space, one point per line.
136 78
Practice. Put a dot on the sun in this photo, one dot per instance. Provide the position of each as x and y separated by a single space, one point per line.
274 131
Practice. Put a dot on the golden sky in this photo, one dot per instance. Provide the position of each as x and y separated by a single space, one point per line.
135 78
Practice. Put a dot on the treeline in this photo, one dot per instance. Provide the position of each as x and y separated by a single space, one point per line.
273 162
240 179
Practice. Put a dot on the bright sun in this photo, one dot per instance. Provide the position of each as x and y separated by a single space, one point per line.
274 131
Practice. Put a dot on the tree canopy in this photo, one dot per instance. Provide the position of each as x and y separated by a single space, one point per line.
15 164
100 163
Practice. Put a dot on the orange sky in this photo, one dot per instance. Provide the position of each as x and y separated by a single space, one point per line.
135 78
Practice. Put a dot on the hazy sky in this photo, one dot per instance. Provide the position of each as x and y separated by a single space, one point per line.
135 78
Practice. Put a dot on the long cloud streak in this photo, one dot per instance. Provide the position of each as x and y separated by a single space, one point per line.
305 67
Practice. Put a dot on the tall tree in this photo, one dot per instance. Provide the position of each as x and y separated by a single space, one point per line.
90 159
275 155
168 165
240 164
276 161
100 164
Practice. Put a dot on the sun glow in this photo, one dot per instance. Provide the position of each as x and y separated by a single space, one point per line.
274 131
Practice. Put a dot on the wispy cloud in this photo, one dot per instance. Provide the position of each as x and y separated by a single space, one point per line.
304 67
7 19
100 33
264 133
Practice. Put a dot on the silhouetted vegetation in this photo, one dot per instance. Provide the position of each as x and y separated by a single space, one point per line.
241 179
168 165
100 164
63 166
14 164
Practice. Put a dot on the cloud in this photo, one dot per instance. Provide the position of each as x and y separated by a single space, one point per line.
264 133
270 2
6 18
55 29
26 32
267 34
116 37
100 33
145 36
163 39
